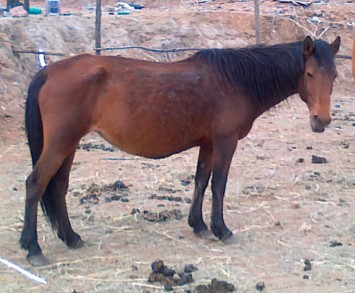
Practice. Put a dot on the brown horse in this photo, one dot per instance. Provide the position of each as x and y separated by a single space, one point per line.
155 110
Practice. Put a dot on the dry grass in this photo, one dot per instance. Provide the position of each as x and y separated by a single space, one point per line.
280 211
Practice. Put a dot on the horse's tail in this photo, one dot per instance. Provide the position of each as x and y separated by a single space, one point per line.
33 118
34 130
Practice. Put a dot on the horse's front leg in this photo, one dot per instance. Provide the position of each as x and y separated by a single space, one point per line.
203 173
223 151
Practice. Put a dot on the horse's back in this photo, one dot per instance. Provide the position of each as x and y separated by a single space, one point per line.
146 108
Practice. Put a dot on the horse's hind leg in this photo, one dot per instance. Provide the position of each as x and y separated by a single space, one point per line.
203 173
57 189
36 185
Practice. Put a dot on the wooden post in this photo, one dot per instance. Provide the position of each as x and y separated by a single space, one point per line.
257 21
27 5
13 3
8 5
353 57
98 27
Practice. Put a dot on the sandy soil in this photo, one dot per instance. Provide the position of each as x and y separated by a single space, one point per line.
282 208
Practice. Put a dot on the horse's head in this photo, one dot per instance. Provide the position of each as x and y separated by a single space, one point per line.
316 82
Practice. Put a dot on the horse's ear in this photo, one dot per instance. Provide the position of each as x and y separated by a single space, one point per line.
308 47
335 45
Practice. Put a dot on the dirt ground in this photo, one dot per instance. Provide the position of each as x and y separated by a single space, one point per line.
293 220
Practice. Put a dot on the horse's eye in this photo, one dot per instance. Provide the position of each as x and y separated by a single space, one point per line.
309 74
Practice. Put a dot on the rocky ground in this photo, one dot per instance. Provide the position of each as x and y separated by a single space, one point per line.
293 219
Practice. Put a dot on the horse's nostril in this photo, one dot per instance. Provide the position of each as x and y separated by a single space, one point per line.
316 118
324 122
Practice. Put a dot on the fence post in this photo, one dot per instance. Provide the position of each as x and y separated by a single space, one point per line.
98 27
257 21
353 59
27 5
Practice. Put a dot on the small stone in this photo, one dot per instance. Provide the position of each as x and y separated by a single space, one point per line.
157 266
260 286
221 286
335 243
185 182
295 205
135 211
168 287
202 289
190 268
300 160
307 265
119 185
152 278
183 279
167 272
332 16
116 197
318 160
305 277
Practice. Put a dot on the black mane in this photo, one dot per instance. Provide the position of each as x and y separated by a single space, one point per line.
267 74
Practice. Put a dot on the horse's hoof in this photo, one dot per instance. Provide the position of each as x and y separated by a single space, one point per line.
77 244
227 236
37 260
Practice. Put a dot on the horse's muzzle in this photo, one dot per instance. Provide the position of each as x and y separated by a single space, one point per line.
317 124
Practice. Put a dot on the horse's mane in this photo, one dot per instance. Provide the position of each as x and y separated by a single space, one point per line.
264 73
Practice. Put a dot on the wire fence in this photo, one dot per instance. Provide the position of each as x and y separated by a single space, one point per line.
174 50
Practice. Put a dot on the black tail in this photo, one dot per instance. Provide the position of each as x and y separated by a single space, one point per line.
34 130
33 119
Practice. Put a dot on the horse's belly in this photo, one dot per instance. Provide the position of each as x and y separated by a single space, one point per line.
151 144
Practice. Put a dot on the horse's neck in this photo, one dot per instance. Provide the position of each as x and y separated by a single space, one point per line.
277 80
284 95
281 96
